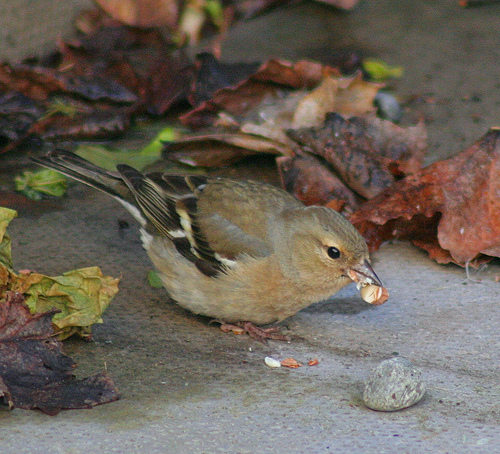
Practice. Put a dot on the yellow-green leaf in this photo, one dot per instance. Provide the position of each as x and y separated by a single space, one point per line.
380 70
81 295
44 182
6 216
107 158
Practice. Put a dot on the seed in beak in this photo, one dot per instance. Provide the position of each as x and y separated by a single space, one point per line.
363 274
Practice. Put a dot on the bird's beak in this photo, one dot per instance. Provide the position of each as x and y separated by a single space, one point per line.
363 274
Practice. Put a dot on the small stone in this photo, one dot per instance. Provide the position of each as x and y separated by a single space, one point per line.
393 385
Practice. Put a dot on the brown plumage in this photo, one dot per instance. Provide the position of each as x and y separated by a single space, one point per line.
237 251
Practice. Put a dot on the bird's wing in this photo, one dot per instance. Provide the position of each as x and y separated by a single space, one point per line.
235 216
210 221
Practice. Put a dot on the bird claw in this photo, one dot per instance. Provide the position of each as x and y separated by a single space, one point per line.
256 333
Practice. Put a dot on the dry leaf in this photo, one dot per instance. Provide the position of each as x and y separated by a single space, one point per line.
142 13
267 84
313 183
34 373
349 154
313 107
81 297
216 150
366 152
212 75
348 96
450 208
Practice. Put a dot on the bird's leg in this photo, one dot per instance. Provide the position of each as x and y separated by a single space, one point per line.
259 334
263 334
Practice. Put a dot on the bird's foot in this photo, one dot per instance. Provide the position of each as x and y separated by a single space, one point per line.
259 334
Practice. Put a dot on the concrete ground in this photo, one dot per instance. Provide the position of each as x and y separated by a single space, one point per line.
189 388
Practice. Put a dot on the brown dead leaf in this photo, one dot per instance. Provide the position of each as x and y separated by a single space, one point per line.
217 150
313 107
158 78
313 183
38 82
34 373
278 96
267 83
348 96
103 124
97 81
366 152
350 155
450 208
17 114
142 13
167 82
212 75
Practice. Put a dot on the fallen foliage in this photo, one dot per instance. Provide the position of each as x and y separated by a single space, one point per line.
313 183
80 296
34 373
367 153
450 208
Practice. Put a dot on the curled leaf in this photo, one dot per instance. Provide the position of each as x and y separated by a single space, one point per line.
6 216
450 208
44 182
81 296
313 183
366 152
349 154
347 96
215 150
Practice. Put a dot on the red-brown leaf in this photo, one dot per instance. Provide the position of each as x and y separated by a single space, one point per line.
271 78
367 153
313 183
450 208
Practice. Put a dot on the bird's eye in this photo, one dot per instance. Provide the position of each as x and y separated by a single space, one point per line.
333 252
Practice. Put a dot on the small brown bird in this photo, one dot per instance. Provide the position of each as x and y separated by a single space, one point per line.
241 252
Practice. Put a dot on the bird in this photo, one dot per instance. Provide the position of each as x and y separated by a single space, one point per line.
244 253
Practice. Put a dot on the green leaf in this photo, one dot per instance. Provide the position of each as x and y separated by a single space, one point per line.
44 182
155 147
154 280
6 216
379 70
81 295
215 11
107 158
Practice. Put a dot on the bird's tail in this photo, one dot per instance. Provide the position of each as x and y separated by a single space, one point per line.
82 170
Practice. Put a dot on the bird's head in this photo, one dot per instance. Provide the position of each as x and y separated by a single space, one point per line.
325 249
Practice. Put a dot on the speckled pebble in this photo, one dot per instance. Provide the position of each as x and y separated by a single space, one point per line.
393 385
